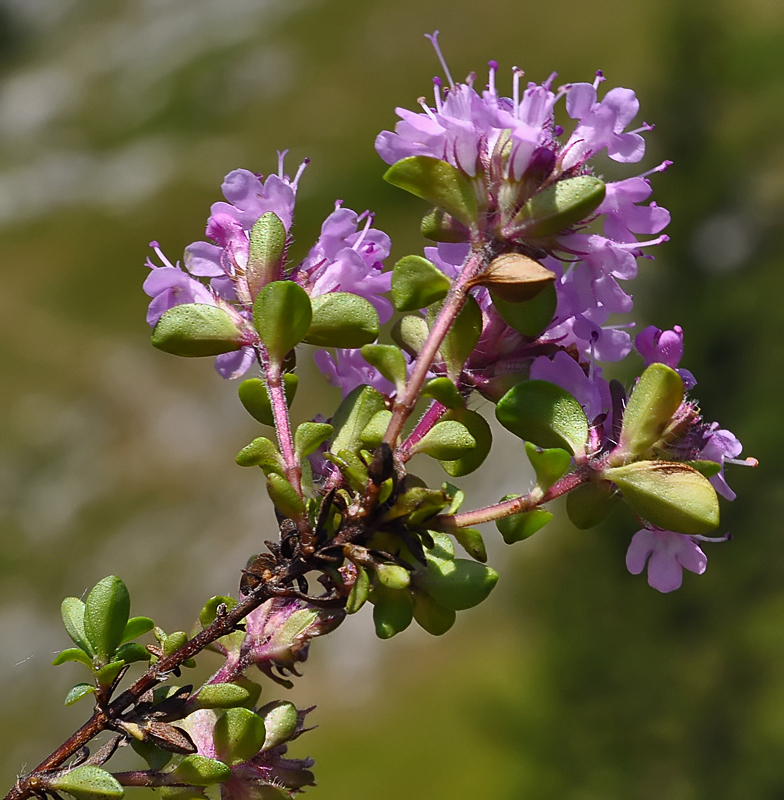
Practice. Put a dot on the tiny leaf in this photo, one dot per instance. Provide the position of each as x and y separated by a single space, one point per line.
671 495
545 414
389 361
265 252
87 783
462 338
352 417
410 333
106 613
438 182
416 283
472 542
284 496
458 583
255 397
193 330
136 627
72 610
438 226
373 432
444 391
309 436
448 440
261 452
549 465
342 319
239 735
477 426
73 654
196 770
78 692
591 503
517 527
282 315
393 610
281 720
220 695
432 617
359 591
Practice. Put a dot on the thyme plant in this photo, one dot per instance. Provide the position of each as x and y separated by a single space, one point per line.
529 256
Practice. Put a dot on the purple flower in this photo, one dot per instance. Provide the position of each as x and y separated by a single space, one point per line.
349 259
721 445
664 347
253 778
347 370
667 554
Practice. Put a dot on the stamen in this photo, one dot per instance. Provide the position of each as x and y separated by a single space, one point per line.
743 462
157 248
426 108
301 169
433 37
646 126
470 78
368 223
661 168
517 73
493 68
548 83
598 79
438 92
712 539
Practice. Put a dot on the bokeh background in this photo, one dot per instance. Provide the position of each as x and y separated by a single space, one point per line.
575 681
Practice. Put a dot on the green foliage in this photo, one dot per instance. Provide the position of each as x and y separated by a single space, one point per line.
239 735
517 527
221 695
438 182
560 206
671 495
194 330
284 496
261 452
282 315
265 253
197 770
106 612
462 338
444 391
545 415
280 722
656 397
529 317
352 417
342 319
254 396
549 464
591 503
448 440
87 783
479 430
309 436
416 283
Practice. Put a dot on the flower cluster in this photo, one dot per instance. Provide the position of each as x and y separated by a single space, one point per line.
223 272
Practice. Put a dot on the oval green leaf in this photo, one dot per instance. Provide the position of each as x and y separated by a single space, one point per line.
282 316
194 330
342 319
416 283
106 612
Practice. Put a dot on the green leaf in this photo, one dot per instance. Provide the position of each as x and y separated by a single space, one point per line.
393 610
255 398
517 527
462 338
447 440
530 317
479 429
72 610
431 616
265 253
106 613
284 496
559 206
671 495
444 391
136 627
352 467
656 397
220 695
174 641
353 416
438 182
416 283
197 770
410 333
389 361
209 613
373 432
239 735
549 465
706 468
78 692
359 591
591 503
309 436
73 654
417 503
438 226
393 576
261 452
106 675
87 783
282 315
131 652
194 330
280 722
545 414
472 542
457 583
342 319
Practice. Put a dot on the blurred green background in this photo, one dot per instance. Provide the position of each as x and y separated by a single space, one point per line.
575 681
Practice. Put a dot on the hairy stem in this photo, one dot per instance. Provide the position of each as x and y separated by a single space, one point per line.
406 400
516 505
429 419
